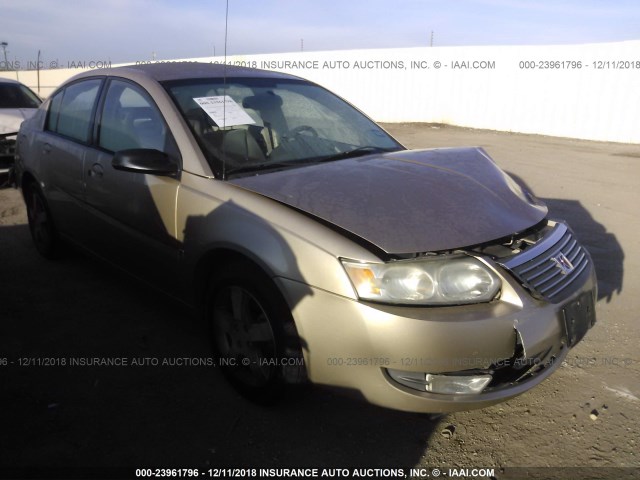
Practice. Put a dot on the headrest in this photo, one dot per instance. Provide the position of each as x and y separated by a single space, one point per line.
264 101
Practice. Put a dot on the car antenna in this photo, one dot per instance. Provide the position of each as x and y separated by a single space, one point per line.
224 90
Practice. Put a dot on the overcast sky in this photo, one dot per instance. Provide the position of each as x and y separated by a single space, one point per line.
129 30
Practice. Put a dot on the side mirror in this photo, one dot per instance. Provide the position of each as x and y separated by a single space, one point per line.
145 160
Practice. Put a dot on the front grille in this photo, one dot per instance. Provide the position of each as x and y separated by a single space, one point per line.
543 268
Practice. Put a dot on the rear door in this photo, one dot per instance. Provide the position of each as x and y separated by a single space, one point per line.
61 148
132 215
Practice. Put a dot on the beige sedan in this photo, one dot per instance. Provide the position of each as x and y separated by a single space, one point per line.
315 245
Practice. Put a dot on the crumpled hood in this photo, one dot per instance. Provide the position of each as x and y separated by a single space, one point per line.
11 118
408 201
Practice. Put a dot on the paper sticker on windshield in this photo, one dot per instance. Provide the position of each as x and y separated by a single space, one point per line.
224 110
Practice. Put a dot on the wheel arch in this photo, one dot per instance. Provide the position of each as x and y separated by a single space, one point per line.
217 258
25 182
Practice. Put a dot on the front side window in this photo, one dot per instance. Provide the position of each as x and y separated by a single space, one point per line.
130 120
247 125
71 110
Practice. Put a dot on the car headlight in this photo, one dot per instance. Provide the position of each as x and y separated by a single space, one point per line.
444 280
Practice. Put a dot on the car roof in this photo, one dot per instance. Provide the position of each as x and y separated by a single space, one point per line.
161 72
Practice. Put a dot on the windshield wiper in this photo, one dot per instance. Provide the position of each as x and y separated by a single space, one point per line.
356 152
260 167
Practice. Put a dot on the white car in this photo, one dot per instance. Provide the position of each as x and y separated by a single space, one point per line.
17 103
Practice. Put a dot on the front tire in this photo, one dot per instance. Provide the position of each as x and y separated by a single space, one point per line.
252 333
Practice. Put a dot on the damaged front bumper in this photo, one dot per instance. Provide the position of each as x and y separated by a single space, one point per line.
7 154
444 359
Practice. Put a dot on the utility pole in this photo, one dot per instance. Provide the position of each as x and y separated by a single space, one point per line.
302 44
4 46
38 65
431 42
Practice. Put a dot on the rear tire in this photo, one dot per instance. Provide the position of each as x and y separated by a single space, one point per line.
252 333
43 231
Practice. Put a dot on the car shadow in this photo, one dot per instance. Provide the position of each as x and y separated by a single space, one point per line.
58 414
606 251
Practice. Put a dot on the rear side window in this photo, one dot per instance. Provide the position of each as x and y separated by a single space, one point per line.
54 112
71 109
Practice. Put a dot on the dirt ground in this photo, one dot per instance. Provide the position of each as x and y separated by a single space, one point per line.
587 415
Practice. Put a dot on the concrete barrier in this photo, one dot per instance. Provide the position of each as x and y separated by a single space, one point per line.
577 91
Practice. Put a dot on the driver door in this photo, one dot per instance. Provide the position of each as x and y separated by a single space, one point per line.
132 214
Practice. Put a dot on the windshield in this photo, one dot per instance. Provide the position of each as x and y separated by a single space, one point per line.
253 125
14 95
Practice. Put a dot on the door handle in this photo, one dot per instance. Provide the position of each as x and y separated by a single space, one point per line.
96 170
46 148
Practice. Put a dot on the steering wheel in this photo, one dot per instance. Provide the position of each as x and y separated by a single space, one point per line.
303 128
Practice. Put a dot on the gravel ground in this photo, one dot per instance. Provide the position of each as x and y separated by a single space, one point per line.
586 415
